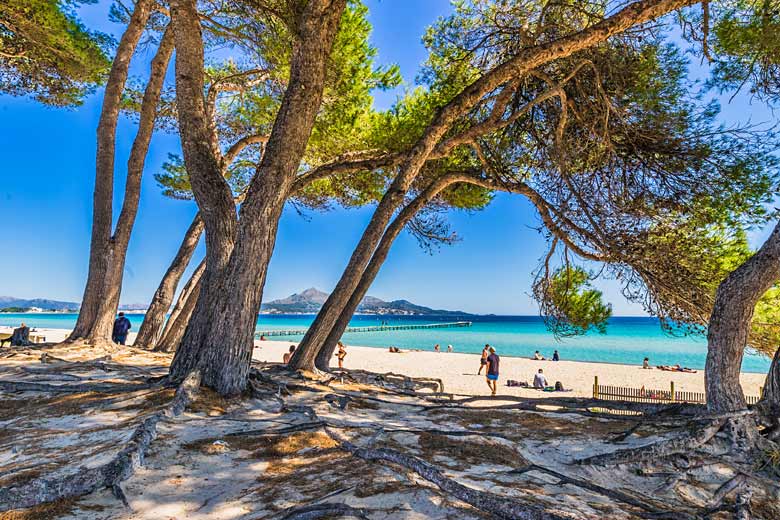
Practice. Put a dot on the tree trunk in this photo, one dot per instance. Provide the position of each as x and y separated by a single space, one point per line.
180 318
108 253
100 245
325 352
769 405
189 288
154 320
631 15
729 325
219 337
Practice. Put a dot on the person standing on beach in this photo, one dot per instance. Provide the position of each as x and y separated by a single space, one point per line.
556 357
483 359
436 348
121 328
341 354
492 370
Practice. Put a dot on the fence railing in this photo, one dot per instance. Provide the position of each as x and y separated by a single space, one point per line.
645 395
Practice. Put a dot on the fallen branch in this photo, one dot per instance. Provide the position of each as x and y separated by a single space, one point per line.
109 475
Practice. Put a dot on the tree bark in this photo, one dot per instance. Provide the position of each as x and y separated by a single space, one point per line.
729 325
154 319
769 405
527 60
219 337
324 354
181 313
107 252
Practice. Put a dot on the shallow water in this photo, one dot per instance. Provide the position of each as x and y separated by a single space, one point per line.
628 339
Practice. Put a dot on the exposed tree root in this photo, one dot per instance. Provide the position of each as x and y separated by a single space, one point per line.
680 444
111 474
102 388
500 506
655 509
316 511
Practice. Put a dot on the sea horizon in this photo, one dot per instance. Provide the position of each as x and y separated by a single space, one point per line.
627 341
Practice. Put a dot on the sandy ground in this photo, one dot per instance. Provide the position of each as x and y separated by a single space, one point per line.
459 371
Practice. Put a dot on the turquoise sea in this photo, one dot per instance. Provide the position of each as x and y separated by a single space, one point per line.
628 339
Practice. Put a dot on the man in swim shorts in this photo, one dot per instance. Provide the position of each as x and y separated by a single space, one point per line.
483 359
492 370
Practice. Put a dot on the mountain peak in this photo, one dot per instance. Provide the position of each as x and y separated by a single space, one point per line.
310 301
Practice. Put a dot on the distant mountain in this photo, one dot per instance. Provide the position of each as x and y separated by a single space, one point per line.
310 301
8 302
48 305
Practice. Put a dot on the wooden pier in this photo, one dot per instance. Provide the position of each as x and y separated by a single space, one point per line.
376 328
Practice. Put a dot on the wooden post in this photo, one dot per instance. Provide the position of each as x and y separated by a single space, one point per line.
672 390
760 392
595 387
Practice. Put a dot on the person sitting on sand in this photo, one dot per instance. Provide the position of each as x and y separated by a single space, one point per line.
395 350
449 348
20 337
646 363
539 380
342 353
288 355
483 359
492 370
556 357
538 356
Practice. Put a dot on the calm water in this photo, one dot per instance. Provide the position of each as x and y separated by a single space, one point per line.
627 340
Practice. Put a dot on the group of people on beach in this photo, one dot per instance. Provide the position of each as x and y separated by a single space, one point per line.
538 357
490 361
341 353
667 368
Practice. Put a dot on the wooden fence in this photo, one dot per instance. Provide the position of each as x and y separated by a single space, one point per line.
644 395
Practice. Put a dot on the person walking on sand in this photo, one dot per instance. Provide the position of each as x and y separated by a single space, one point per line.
288 355
483 359
121 328
492 371
341 354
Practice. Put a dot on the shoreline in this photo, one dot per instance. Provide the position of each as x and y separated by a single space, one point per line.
458 370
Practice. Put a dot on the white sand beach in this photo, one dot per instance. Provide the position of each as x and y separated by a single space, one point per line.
458 371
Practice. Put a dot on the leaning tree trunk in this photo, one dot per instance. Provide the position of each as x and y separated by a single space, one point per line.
729 325
177 323
219 337
531 58
100 246
154 319
325 353
769 405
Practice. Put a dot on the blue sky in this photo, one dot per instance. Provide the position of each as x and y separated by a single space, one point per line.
47 177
